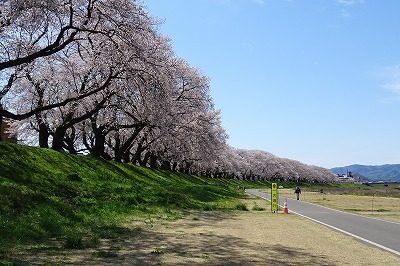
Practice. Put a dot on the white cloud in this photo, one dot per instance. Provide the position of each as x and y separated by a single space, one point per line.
350 2
260 2
345 13
347 5
391 79
393 87
346 2
235 2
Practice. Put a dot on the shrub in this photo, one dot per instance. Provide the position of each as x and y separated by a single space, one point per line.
93 241
258 208
73 240
241 207
209 207
50 221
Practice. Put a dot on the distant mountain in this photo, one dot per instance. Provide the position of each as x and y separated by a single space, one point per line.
387 172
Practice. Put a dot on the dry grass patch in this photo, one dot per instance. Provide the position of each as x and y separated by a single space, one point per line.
264 238
252 237
377 207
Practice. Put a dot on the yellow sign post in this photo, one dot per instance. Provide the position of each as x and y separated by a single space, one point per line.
274 197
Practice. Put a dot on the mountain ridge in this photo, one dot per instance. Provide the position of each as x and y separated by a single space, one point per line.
385 172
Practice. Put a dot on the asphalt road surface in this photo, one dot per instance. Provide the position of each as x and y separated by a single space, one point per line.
383 234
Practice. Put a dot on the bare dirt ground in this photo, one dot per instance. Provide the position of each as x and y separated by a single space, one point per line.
221 238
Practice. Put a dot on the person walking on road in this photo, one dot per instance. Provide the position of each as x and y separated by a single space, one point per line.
298 192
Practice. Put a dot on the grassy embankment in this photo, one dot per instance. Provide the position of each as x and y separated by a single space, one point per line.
78 200
53 202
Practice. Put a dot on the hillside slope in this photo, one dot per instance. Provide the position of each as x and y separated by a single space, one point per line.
46 194
387 172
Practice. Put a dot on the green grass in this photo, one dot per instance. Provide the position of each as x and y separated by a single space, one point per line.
257 208
378 190
241 207
79 199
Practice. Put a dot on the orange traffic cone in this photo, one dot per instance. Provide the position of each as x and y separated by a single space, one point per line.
285 208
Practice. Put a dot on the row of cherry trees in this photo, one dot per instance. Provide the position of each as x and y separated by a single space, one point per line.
261 165
96 76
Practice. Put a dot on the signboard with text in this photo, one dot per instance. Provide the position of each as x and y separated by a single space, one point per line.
274 197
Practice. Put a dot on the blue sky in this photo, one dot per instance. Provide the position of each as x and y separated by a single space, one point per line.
314 80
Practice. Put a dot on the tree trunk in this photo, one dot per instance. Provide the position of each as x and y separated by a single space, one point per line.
99 144
136 159
166 165
70 145
146 158
126 156
117 146
187 168
153 161
69 141
60 132
43 136
58 138
127 144
174 166
1 125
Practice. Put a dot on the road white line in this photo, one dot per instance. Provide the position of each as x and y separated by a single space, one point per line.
338 229
356 214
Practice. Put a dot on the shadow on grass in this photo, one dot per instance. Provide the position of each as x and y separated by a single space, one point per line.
175 246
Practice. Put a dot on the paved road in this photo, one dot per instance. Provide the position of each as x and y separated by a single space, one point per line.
383 234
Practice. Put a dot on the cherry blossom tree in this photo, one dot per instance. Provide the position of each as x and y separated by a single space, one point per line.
96 76
35 30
